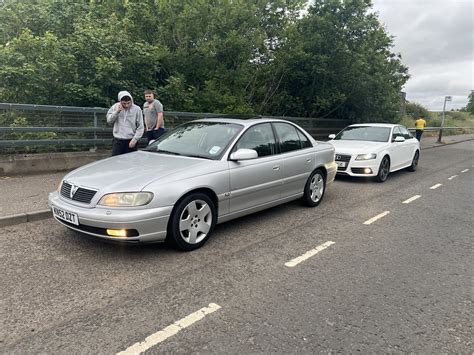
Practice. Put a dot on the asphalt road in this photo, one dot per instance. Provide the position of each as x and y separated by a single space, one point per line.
403 283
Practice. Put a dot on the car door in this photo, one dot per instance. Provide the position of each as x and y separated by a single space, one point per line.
397 149
297 158
255 182
410 146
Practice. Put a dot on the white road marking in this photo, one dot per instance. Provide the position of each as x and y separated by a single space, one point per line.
452 177
464 171
411 199
373 219
170 330
308 254
435 186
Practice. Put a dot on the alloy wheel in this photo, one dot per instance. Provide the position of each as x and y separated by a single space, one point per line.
195 221
316 187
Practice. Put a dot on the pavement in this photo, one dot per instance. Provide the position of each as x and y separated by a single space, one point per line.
24 198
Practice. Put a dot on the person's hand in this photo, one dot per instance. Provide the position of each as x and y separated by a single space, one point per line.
119 108
132 144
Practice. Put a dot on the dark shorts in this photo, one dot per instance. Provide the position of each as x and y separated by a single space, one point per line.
154 134
120 146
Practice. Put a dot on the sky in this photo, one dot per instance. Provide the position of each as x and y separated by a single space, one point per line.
436 41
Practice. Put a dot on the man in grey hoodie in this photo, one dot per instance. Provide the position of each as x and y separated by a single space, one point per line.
127 119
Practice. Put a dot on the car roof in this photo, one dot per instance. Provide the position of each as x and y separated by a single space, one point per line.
389 125
244 122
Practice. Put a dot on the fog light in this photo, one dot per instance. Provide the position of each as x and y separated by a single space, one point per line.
367 171
121 233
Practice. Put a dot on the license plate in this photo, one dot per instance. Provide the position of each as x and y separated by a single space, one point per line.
341 164
66 216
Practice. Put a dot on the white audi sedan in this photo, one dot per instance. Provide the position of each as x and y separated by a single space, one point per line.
375 149
193 177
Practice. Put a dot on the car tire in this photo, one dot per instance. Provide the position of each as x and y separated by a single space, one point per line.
384 170
192 221
314 188
414 162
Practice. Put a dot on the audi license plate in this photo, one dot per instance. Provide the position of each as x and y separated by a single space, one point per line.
66 216
341 164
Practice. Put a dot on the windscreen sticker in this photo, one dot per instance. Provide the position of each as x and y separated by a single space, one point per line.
214 150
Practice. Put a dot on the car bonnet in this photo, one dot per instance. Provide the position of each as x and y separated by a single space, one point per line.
357 147
130 172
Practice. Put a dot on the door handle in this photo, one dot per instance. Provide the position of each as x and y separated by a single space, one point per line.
308 160
276 167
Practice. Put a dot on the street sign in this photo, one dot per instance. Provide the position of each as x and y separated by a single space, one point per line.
448 98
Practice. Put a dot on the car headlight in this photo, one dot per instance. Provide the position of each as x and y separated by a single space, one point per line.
126 199
366 156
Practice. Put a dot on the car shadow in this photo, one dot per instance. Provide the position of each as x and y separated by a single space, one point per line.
370 179
118 250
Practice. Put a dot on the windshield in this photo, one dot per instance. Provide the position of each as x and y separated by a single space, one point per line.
364 133
206 140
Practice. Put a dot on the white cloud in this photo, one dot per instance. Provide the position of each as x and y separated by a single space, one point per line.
436 41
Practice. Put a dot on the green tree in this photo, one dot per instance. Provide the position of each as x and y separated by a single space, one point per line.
470 103
415 110
228 56
339 64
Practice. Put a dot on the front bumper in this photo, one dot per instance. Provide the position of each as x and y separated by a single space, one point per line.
150 223
358 168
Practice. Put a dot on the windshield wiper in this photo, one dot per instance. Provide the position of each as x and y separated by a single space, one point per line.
198 156
161 151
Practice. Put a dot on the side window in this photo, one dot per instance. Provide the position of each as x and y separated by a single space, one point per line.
289 139
396 133
305 143
405 133
259 138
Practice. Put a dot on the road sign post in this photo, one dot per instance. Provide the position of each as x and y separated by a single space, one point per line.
440 136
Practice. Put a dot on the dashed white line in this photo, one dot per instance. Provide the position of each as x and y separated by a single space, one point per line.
373 219
170 330
464 171
452 177
411 199
308 254
435 186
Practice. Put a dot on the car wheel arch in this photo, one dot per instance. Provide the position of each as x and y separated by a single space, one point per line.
204 190
323 170
387 155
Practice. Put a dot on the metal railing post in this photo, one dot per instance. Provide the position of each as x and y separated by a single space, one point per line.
95 131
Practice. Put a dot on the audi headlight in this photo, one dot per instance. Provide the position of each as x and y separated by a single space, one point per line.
366 156
126 199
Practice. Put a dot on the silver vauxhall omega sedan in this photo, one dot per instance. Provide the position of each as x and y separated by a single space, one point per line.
200 173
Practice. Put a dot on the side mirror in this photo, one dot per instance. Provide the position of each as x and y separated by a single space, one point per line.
332 136
244 154
399 139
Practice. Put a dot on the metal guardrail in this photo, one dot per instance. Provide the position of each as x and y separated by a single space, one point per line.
28 128
436 129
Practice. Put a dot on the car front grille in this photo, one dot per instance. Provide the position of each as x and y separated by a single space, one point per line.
80 195
344 158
